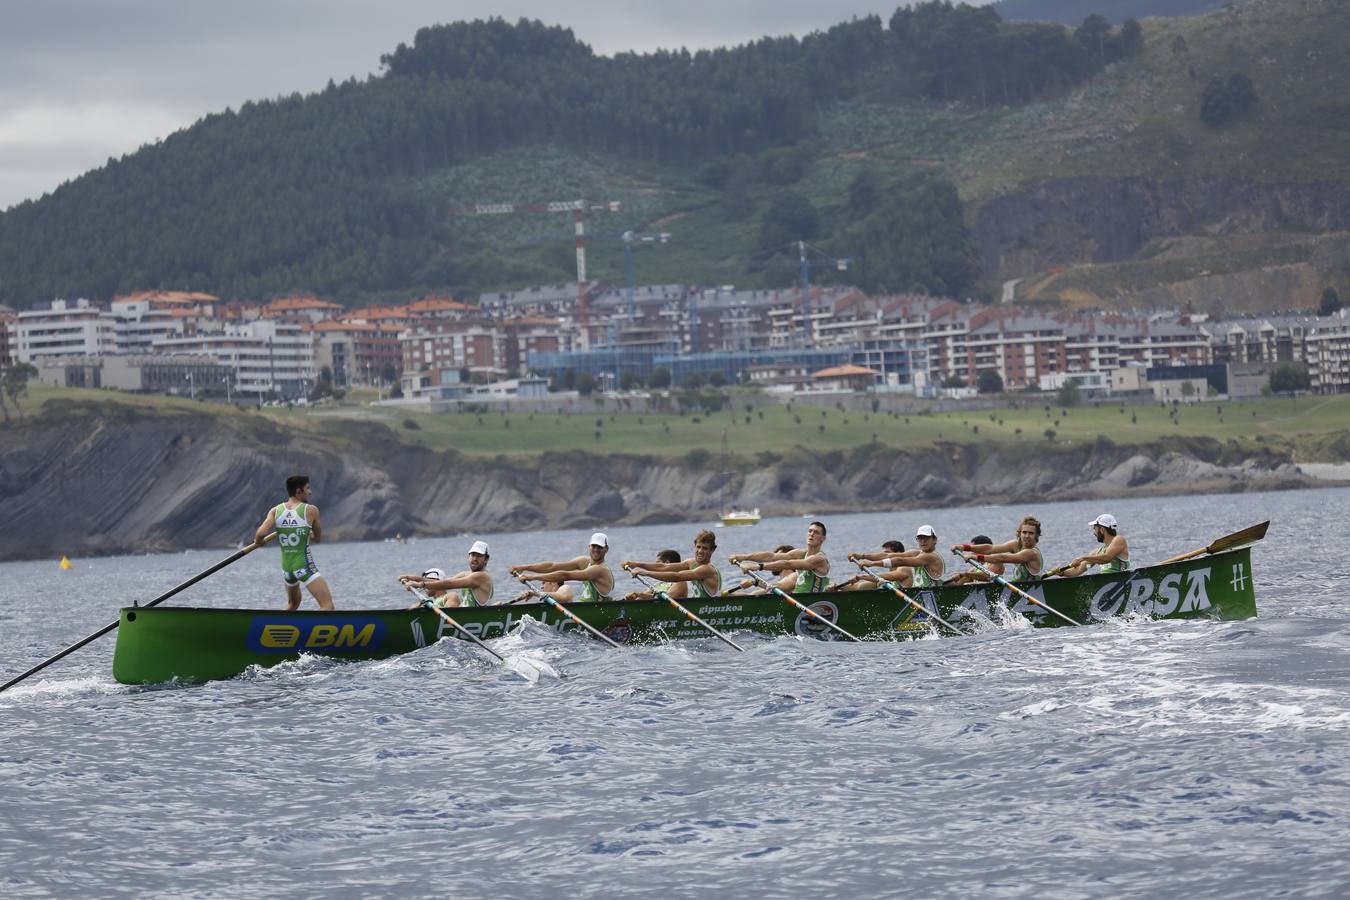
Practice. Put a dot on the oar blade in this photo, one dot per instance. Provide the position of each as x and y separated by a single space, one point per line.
1249 535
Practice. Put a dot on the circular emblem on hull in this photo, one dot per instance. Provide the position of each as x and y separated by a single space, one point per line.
809 626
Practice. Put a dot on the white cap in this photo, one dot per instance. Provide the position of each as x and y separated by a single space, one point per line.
434 575
479 547
600 540
1106 520
925 531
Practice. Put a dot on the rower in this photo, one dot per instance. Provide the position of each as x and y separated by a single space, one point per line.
1114 555
928 567
665 556
1021 552
806 569
472 587
973 574
695 578
864 582
750 582
596 578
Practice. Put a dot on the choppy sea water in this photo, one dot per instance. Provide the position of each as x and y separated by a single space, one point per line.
1130 758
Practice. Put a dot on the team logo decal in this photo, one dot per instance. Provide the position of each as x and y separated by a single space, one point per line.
620 631
276 634
809 626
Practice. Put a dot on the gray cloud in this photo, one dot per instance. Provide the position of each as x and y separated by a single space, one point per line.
83 80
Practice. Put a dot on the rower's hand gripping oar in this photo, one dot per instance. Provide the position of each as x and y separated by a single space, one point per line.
558 605
245 551
793 600
971 560
687 613
525 669
895 589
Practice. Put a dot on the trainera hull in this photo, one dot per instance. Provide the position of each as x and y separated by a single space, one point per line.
198 644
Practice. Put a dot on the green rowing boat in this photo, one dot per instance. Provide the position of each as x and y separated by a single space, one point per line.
198 644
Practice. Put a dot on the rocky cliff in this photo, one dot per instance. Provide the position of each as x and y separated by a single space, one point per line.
87 481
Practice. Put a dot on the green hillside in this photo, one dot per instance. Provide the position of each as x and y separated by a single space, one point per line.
876 140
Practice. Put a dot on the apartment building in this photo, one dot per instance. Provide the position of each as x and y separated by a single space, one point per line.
66 328
265 355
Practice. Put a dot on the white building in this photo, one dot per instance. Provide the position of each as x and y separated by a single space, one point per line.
264 355
66 329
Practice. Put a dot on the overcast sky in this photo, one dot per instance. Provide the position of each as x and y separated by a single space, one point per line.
83 80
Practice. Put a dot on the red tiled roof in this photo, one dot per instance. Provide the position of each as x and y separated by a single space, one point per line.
843 372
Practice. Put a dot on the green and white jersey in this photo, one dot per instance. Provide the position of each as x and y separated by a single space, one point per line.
293 530
1119 564
697 591
808 582
591 593
1021 572
467 596
924 580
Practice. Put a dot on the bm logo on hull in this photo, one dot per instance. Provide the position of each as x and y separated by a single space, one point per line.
271 634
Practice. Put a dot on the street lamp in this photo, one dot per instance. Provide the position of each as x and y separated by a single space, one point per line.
192 388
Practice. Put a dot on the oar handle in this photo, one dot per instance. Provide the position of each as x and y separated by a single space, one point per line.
895 589
155 602
430 604
1012 587
795 602
689 614
560 607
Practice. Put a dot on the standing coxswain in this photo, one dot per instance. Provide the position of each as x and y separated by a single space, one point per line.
296 522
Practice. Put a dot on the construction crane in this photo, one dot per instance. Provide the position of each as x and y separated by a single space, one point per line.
578 209
807 264
808 258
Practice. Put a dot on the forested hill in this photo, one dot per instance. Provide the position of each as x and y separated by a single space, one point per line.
942 149
1071 12
337 192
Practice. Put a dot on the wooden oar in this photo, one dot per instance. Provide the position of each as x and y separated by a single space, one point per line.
687 613
155 602
558 605
793 600
1248 535
970 559
895 589
515 664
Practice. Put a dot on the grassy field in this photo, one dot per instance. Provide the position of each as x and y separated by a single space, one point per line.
1315 428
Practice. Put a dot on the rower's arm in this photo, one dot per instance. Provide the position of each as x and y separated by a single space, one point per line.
698 574
1115 548
315 532
268 523
548 567
476 580
874 556
764 556
1021 556
589 573
908 558
656 567
813 563
895 574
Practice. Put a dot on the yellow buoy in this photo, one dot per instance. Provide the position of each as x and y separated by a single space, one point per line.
66 563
